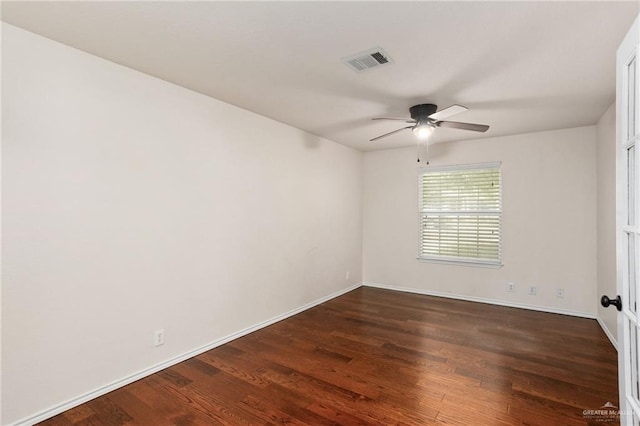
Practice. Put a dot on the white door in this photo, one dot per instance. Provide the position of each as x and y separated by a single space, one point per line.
628 227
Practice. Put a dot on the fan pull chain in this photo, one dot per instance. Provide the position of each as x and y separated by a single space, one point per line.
427 144
418 151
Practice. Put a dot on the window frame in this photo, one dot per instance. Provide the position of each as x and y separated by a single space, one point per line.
455 260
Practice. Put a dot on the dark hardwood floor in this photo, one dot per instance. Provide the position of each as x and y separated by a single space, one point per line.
380 357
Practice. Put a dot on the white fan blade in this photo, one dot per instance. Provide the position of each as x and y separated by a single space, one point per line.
448 112
463 126
406 120
390 133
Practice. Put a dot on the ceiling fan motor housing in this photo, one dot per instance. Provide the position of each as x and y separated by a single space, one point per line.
422 111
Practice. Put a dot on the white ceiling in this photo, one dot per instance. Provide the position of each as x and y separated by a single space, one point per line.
519 66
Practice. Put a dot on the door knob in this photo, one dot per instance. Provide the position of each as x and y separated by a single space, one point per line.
617 302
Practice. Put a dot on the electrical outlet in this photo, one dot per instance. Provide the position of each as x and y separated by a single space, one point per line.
158 337
532 290
560 293
347 275
511 287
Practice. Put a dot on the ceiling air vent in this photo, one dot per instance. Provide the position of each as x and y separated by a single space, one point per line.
371 58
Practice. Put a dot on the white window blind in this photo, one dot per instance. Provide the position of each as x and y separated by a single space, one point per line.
460 214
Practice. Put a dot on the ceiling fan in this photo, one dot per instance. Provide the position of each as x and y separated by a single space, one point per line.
425 119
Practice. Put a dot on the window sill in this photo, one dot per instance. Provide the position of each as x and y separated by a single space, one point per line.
461 263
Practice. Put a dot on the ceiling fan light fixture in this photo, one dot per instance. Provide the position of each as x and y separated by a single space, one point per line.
423 131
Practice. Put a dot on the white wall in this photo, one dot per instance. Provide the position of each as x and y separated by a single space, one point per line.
131 204
549 221
606 156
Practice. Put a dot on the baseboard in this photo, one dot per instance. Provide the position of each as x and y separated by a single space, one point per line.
43 415
606 330
482 300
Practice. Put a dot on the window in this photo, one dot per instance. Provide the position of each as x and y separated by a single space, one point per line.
460 214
